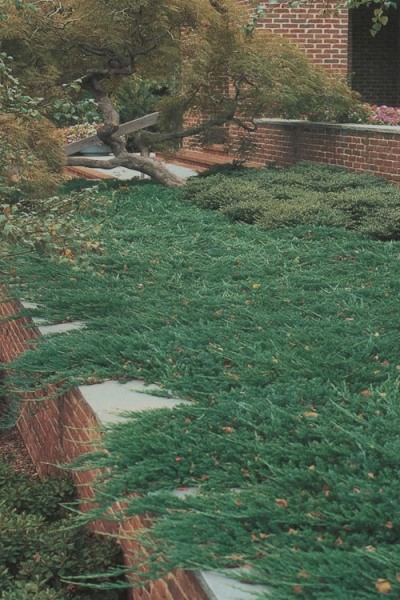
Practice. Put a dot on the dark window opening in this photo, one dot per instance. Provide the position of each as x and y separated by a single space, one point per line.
374 66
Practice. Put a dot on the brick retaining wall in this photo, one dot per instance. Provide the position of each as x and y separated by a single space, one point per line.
319 28
56 431
370 149
367 149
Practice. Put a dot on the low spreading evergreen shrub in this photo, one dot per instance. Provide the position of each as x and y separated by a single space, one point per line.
305 194
285 341
218 191
230 192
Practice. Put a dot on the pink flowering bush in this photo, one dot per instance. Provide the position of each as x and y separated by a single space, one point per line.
384 115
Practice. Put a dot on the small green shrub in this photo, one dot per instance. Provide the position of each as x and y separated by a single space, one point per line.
41 545
383 223
41 497
219 191
30 591
289 213
247 211
201 187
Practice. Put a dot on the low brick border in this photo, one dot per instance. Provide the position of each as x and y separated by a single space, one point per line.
373 149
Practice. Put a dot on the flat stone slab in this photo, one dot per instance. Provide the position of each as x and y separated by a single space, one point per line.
219 587
111 398
27 304
57 327
46 328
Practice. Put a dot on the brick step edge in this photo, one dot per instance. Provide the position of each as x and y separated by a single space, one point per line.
201 160
85 173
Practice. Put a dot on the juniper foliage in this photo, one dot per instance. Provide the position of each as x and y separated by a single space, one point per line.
286 343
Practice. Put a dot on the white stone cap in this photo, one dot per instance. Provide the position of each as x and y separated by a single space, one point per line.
46 328
349 126
57 327
221 587
111 398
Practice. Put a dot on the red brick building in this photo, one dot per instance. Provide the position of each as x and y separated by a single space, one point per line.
343 42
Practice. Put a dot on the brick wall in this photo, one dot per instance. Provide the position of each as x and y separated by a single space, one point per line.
367 149
16 335
320 33
57 430
341 40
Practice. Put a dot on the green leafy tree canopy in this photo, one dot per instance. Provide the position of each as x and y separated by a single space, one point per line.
207 56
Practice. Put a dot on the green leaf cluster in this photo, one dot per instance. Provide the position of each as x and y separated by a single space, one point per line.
41 546
61 226
13 97
31 157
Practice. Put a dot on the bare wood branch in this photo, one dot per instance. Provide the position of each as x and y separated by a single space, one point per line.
153 138
129 127
149 166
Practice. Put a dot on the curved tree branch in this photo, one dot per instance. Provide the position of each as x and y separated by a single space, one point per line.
149 166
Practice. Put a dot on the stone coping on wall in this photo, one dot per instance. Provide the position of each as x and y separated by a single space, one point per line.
220 587
110 400
46 328
362 127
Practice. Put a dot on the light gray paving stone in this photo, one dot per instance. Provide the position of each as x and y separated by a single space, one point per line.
190 491
178 493
220 587
57 327
27 304
111 398
182 171
45 327
38 321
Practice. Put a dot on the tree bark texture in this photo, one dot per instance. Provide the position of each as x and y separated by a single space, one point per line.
107 133
149 166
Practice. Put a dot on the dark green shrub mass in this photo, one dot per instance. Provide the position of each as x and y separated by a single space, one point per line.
41 546
305 194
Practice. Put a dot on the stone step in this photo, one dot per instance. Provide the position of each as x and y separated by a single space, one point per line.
110 399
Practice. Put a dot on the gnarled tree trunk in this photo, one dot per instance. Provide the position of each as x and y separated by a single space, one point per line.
107 133
149 166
